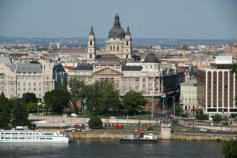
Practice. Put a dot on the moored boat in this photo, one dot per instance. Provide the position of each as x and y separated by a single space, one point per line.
28 136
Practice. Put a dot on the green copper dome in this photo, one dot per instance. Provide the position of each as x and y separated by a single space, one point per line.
116 31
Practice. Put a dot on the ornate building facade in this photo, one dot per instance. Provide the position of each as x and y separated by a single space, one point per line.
150 77
17 79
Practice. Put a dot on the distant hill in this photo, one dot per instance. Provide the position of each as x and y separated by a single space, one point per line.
100 42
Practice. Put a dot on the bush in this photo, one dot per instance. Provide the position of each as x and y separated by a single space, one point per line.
95 122
217 118
230 149
201 116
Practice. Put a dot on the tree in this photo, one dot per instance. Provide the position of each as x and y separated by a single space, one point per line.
233 68
201 116
95 122
77 92
230 149
29 97
5 111
217 118
133 101
178 110
19 114
57 100
31 107
102 97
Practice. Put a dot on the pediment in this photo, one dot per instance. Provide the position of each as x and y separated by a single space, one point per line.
107 71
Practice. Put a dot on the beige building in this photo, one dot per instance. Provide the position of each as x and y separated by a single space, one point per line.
188 95
17 79
150 77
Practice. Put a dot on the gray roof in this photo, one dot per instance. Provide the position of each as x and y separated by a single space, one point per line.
5 60
29 68
151 58
108 59
190 83
116 31
131 68
12 67
84 67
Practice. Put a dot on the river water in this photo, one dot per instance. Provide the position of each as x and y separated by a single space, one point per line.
112 149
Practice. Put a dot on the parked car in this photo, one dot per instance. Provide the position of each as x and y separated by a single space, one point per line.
214 131
119 126
203 130
74 115
88 129
77 130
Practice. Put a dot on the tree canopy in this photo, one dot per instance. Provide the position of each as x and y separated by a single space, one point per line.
201 116
57 100
95 122
217 118
5 111
133 102
102 97
77 91
29 97
230 149
20 114
31 107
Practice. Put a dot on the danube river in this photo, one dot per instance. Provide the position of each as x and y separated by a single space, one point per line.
112 149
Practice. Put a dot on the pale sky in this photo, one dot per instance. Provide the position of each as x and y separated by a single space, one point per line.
172 19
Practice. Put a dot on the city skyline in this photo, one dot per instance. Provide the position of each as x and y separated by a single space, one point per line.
156 19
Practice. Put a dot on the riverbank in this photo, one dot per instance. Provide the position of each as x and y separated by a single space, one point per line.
113 134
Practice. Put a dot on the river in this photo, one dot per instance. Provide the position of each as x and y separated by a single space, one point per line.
112 149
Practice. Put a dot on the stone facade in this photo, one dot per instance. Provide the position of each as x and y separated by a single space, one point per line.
17 79
188 95
150 77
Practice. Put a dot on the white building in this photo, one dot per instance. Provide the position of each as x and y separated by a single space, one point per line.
217 87
17 79
188 95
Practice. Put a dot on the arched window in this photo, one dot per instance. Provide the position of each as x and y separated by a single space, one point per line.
90 43
127 43
117 48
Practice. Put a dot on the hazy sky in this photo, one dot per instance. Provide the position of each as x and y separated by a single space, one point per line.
175 19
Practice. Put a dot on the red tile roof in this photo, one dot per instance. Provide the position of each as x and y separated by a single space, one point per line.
69 67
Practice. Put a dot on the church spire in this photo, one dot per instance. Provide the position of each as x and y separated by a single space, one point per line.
92 31
128 31
116 20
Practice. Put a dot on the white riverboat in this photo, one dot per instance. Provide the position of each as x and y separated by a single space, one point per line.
14 136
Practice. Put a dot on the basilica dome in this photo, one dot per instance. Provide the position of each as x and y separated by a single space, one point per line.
116 31
151 58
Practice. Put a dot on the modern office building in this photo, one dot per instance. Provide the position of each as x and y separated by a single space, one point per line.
217 87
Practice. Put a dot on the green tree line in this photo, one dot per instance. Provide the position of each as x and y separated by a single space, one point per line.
13 112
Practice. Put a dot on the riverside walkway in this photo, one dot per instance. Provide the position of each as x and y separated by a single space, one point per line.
62 121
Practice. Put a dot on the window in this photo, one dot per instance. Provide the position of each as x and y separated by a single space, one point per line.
127 43
117 48
90 43
90 56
